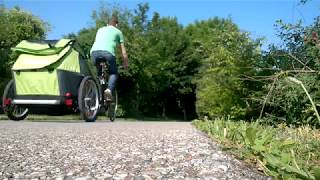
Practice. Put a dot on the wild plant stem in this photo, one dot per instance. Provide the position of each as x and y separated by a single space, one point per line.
292 79
294 160
313 105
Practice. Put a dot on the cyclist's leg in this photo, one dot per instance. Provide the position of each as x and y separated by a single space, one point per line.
95 55
113 72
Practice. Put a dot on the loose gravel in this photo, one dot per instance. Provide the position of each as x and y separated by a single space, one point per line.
120 150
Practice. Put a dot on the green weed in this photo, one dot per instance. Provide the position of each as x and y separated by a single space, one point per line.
281 152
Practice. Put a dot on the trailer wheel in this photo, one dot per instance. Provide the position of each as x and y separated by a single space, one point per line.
13 111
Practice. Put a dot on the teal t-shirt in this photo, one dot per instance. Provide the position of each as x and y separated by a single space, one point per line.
107 39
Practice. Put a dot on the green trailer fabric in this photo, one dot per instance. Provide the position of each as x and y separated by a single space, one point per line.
41 49
70 62
43 69
36 83
30 61
31 45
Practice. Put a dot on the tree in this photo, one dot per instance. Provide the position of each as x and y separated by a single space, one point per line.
227 56
171 70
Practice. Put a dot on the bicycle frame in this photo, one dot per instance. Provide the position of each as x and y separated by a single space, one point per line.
102 79
102 82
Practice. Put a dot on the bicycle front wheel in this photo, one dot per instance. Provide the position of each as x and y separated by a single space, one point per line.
112 106
88 99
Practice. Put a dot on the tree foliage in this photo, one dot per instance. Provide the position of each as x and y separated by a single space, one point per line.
226 55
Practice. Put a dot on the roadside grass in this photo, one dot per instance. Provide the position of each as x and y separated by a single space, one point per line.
281 152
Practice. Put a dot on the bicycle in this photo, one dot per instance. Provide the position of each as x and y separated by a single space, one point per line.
91 97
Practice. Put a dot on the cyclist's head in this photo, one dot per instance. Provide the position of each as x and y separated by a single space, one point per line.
114 20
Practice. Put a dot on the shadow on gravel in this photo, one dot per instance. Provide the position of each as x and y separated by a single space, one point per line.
76 119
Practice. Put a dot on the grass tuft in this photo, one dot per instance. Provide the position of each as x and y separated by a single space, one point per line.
281 152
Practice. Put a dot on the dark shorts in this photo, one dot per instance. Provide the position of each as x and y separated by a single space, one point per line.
108 58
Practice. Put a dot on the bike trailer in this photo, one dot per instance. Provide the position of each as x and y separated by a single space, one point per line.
46 74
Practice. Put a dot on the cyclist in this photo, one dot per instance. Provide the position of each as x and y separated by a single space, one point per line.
106 40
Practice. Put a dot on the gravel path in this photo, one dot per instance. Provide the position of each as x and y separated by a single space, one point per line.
120 150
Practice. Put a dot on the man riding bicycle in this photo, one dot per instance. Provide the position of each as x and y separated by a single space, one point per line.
106 40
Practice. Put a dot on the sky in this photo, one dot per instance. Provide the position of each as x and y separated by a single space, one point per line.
254 16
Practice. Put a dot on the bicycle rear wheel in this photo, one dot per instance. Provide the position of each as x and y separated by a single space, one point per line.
88 99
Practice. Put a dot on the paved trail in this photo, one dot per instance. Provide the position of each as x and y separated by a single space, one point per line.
120 150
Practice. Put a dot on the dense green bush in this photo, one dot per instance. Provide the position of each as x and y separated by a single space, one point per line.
226 55
297 57
289 103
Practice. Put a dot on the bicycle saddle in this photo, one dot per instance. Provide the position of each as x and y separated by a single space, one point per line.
100 59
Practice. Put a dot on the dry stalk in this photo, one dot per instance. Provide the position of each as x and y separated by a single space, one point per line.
296 59
268 95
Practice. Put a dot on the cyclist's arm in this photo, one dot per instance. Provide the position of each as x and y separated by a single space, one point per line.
124 55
